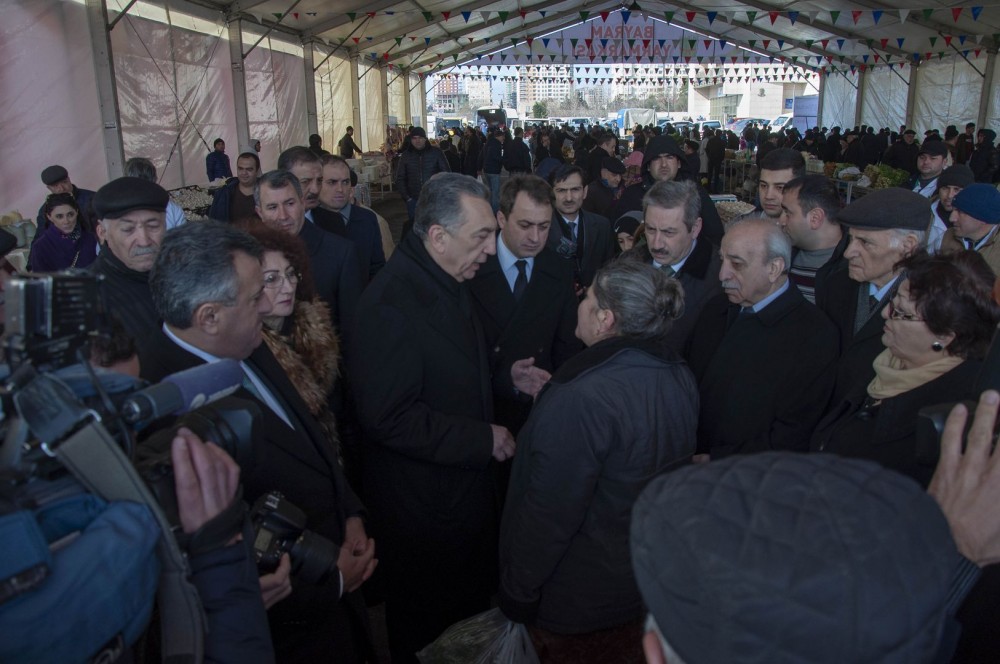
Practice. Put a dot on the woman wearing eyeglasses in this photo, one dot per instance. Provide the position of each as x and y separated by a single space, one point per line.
937 330
298 329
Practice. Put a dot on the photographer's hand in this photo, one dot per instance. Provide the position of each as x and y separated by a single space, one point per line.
967 485
357 556
206 479
277 585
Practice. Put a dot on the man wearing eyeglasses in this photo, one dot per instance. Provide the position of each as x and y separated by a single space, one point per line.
885 227
332 258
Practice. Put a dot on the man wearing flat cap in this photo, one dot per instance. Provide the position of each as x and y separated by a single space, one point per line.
56 180
975 215
132 215
605 189
930 163
885 226
784 558
952 180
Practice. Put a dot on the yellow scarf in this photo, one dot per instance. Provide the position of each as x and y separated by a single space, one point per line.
891 379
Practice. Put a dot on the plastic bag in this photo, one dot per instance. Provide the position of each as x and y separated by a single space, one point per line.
486 638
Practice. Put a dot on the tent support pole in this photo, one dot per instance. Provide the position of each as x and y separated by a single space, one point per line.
407 115
356 99
312 121
984 96
860 96
911 95
383 86
239 82
107 90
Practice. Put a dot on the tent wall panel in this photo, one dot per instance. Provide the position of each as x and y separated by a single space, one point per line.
993 110
333 99
49 112
418 103
884 102
840 99
276 102
397 89
372 113
947 93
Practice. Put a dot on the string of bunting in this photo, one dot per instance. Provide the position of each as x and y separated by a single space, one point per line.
855 16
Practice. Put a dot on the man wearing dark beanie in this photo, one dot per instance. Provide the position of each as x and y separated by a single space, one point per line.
953 180
131 215
975 216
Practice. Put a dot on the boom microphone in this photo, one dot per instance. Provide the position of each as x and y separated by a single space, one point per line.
184 391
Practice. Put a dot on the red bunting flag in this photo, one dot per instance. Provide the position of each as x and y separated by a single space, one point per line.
690 16
774 16
955 13
446 15
856 14
605 15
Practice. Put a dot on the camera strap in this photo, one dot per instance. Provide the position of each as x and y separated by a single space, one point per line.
96 460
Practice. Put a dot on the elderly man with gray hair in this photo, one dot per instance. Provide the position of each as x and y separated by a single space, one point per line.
885 227
422 387
763 355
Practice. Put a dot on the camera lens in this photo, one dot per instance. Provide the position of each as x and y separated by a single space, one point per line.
314 557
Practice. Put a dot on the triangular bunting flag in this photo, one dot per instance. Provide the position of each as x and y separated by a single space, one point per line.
824 42
751 16
961 39
626 14
428 16
466 16
485 15
834 15
933 41
503 16
903 13
399 40
840 44
955 13
711 17
668 16
767 42
975 13
350 15
707 43
876 15
781 44
523 13
947 40
899 41
690 16
584 16
856 14
927 16
774 16
793 16
722 43
884 41
604 16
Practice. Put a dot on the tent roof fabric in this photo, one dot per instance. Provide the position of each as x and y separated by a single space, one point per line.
432 35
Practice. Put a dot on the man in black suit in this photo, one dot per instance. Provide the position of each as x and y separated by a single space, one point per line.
307 166
213 308
885 227
360 223
764 357
524 297
421 381
582 237
332 258
672 215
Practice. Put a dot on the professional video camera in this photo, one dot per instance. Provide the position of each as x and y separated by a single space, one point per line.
72 475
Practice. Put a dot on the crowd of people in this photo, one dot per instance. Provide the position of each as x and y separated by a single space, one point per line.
572 391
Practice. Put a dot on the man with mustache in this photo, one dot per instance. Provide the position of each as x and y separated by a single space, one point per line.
131 214
765 358
675 245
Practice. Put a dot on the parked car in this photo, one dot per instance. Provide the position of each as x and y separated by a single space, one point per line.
739 124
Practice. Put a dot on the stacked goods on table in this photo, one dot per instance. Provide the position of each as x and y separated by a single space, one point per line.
729 210
194 200
884 177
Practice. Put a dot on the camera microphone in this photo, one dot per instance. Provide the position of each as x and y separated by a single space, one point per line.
184 391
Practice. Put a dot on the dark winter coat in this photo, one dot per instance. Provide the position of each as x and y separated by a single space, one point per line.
416 167
611 419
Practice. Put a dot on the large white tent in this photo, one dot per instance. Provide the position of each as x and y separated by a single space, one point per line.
89 83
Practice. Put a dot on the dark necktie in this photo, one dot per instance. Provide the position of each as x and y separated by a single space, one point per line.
667 270
872 303
572 230
521 283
